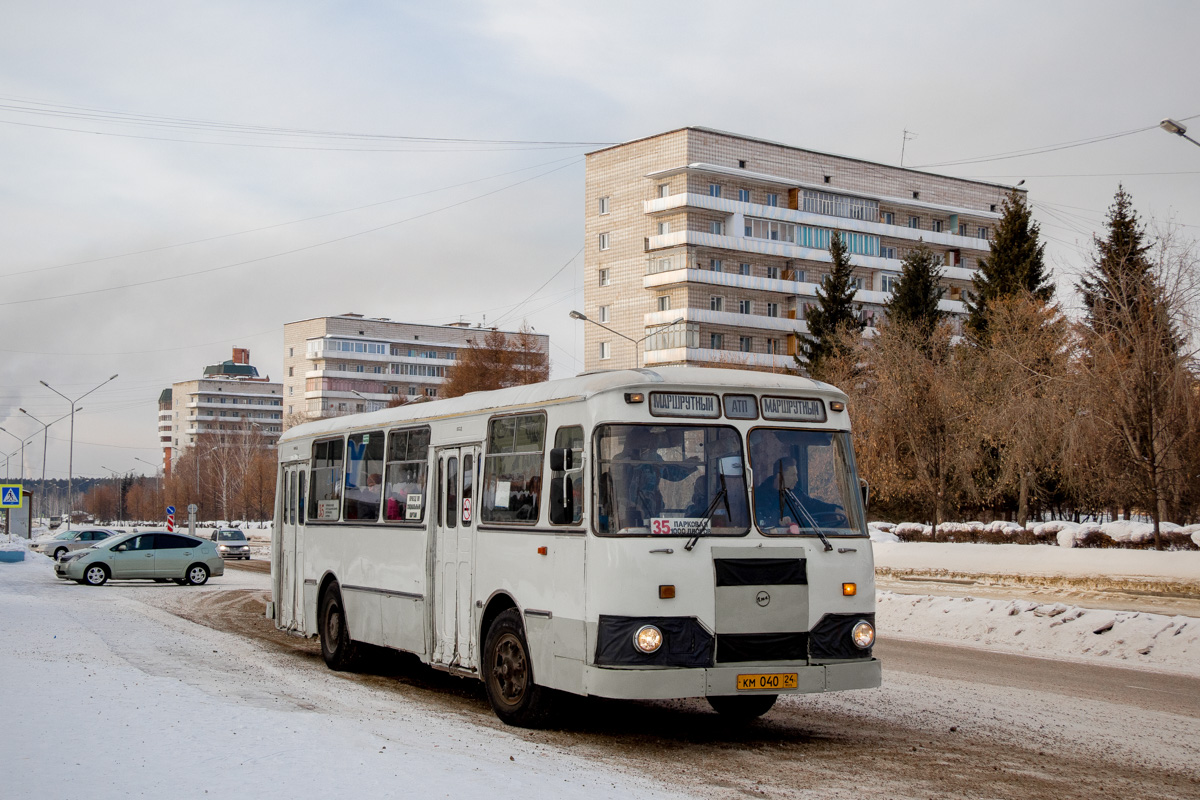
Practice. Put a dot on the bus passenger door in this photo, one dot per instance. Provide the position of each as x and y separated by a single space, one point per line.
454 547
290 600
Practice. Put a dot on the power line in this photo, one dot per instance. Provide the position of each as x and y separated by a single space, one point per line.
543 286
293 251
282 224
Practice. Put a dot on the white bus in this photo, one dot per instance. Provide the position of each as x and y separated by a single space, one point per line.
668 533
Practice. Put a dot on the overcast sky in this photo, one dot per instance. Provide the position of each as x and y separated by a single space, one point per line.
186 147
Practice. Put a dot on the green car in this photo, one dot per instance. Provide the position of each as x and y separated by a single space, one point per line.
155 555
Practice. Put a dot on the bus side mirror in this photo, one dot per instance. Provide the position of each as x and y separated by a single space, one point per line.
866 491
560 459
562 501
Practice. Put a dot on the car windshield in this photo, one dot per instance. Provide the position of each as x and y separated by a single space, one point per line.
68 534
804 482
113 541
670 480
230 536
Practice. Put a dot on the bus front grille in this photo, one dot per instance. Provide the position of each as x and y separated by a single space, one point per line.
739 647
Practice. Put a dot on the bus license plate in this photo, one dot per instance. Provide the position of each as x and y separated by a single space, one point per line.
776 680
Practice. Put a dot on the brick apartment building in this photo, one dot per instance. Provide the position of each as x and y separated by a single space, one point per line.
705 247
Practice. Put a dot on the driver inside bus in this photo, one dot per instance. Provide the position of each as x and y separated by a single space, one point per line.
775 510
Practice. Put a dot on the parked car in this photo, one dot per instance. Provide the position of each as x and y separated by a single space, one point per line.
156 555
77 539
232 543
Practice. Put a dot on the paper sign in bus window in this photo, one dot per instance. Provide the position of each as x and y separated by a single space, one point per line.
503 490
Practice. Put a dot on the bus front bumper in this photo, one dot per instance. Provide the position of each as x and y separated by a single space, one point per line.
669 683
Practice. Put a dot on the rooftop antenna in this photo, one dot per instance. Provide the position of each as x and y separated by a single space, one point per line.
908 136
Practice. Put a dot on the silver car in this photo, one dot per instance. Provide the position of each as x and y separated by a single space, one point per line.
232 543
64 542
155 555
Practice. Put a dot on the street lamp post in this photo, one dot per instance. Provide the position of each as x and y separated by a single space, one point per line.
636 342
45 430
71 448
22 441
1178 128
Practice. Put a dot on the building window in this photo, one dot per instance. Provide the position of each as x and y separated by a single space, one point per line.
716 303
603 202
916 195
772 309
291 372
799 275
664 228
292 350
744 195
773 346
773 273
887 252
935 225
664 190
431 392
888 281
603 315
741 163
714 190
605 278
717 228
605 351
914 222
716 341
772 199
744 307
887 218
664 302
290 388
746 344
743 269
983 233
412 390
962 229
604 241
993 207
714 264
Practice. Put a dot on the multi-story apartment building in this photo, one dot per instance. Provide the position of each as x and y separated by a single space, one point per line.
704 247
229 404
350 363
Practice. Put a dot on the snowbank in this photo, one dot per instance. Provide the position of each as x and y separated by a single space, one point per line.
1054 630
882 532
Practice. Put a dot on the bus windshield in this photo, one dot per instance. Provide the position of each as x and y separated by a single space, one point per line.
670 480
804 482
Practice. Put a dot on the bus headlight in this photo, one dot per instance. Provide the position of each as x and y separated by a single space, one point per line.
648 639
863 635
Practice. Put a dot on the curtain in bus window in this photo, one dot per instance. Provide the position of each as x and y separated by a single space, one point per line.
670 480
512 469
364 476
407 468
324 499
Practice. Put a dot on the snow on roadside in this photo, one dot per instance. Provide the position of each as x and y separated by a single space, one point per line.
1051 630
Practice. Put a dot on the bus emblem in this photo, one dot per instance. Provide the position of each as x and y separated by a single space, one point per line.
763 599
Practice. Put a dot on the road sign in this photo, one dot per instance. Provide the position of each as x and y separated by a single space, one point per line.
170 511
193 508
170 523
10 495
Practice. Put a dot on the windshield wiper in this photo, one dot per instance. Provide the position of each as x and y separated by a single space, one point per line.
722 495
800 511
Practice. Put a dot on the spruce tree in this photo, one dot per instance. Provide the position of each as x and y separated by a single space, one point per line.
915 296
1015 266
833 311
1120 275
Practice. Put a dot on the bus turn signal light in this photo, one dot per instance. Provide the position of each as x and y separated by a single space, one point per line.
666 592
849 589
542 550
634 397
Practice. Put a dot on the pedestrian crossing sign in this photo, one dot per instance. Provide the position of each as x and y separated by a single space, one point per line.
10 495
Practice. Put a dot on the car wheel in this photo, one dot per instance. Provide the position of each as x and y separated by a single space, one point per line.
337 648
743 709
197 575
59 553
508 674
95 575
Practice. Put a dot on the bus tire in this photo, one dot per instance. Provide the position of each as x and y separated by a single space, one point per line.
337 648
508 675
742 709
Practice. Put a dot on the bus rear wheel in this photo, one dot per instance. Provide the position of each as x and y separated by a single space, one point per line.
337 648
508 675
743 709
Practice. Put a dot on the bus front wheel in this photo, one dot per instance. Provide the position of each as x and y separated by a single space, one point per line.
742 709
508 674
337 648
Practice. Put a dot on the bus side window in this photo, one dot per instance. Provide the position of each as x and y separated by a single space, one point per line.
468 483
324 494
300 503
452 492
290 498
568 437
512 469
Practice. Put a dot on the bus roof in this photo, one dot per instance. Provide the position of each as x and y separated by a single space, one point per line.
580 387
